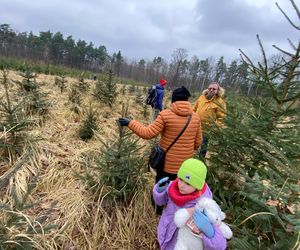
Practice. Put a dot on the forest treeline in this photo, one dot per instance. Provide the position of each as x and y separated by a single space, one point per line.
53 48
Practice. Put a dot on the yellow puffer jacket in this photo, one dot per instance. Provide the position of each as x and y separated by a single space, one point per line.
169 123
210 111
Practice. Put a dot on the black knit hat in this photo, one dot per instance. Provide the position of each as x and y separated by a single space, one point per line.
180 94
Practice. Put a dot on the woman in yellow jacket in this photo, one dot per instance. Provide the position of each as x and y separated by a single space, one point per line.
211 109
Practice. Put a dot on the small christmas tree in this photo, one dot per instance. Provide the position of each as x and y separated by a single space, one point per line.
139 97
106 91
28 81
81 84
89 125
37 101
123 89
61 81
132 89
14 124
75 99
145 110
119 170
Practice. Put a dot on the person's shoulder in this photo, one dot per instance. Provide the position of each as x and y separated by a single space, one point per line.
208 193
220 99
195 116
223 99
201 99
159 87
165 112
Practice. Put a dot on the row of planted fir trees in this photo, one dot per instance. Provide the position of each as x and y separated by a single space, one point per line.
25 106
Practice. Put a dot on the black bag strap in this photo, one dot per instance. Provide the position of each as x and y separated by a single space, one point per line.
181 132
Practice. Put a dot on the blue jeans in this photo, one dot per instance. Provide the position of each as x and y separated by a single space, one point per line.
203 149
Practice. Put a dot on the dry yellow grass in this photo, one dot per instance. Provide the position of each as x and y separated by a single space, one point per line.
83 223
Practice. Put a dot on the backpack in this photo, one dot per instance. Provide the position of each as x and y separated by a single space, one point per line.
151 97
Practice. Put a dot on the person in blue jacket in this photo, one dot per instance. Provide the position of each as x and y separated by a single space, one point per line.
158 104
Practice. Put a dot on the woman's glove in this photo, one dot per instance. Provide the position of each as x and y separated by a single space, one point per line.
203 223
124 121
162 184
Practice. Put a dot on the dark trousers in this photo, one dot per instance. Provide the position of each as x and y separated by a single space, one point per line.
203 149
159 175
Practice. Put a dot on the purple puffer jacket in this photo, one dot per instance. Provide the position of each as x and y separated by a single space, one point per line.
167 230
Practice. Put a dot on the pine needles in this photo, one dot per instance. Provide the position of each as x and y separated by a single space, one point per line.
254 160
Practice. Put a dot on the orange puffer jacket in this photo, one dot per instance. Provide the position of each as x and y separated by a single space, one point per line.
169 123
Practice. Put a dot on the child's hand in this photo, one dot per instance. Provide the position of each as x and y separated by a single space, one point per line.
203 223
162 184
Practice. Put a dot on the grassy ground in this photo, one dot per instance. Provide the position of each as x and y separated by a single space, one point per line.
82 222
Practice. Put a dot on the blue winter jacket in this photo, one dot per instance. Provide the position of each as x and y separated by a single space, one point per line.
159 97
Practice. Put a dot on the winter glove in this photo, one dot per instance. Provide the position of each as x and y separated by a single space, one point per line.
124 121
203 223
162 184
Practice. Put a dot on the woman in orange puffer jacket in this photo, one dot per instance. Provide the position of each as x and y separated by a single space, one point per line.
169 123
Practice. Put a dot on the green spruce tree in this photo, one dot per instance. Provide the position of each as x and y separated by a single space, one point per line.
14 124
75 99
106 91
37 101
81 84
89 125
132 89
28 79
123 89
139 97
145 110
60 82
254 159
119 170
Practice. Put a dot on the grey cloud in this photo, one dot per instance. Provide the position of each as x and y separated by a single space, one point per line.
221 28
145 29
235 22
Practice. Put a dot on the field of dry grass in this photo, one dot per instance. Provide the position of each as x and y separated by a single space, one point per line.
82 222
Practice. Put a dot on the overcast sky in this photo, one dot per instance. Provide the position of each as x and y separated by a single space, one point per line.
150 28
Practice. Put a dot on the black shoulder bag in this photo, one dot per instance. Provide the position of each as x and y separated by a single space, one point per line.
157 156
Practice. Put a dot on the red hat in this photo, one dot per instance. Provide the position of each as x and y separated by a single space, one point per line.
163 82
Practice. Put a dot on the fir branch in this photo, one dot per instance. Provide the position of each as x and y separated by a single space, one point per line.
291 44
283 51
287 17
297 244
291 73
20 163
246 59
263 53
253 215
